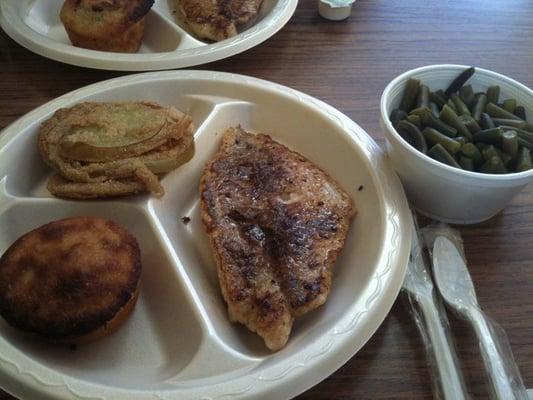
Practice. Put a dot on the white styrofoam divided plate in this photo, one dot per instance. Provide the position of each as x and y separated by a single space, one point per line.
179 343
167 42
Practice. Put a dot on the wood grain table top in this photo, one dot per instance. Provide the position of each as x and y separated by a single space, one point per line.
348 64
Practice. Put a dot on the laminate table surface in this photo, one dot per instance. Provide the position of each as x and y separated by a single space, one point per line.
348 64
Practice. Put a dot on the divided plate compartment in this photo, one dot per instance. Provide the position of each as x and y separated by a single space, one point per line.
167 43
178 343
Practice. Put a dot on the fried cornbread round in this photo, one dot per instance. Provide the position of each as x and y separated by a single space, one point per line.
107 25
72 280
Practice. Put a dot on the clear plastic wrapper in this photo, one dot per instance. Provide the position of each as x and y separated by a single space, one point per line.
456 288
430 317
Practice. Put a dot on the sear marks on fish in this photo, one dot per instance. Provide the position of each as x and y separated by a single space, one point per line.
276 224
218 19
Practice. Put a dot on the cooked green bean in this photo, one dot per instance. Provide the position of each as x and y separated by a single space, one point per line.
460 81
422 99
452 106
486 121
479 107
528 136
458 127
510 143
497 112
439 153
448 116
415 120
460 139
434 109
494 165
489 152
523 161
434 136
466 163
428 119
520 112
493 94
412 135
470 123
471 151
410 93
467 95
396 116
515 123
509 105
491 136
461 107
438 97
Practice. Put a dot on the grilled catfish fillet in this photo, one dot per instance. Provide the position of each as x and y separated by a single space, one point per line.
276 224
218 19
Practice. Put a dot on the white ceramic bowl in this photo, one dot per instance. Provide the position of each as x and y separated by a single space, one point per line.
437 190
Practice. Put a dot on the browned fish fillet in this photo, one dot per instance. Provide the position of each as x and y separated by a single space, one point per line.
218 19
276 224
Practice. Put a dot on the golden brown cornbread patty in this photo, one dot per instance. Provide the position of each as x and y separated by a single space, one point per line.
108 25
70 278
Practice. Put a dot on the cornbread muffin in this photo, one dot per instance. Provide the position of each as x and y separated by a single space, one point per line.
114 149
108 25
72 280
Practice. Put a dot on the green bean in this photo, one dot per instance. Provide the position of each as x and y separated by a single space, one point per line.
428 119
419 111
451 105
439 153
479 107
486 121
470 123
528 136
422 99
410 94
481 146
509 105
460 139
461 107
491 136
415 120
435 137
471 151
412 135
466 163
515 123
506 158
434 109
449 116
510 143
396 116
525 143
467 95
520 112
493 94
460 81
489 152
494 165
497 112
438 98
523 161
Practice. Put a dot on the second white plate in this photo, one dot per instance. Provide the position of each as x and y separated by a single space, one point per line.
179 343
166 44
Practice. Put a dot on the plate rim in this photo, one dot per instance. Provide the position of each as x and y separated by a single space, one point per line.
333 353
25 36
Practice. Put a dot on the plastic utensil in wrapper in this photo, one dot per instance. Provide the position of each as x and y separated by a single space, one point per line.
456 287
430 317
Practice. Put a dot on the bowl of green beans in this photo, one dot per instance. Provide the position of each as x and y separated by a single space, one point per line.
460 139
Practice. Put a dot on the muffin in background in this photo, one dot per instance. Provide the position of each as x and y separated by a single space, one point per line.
107 25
